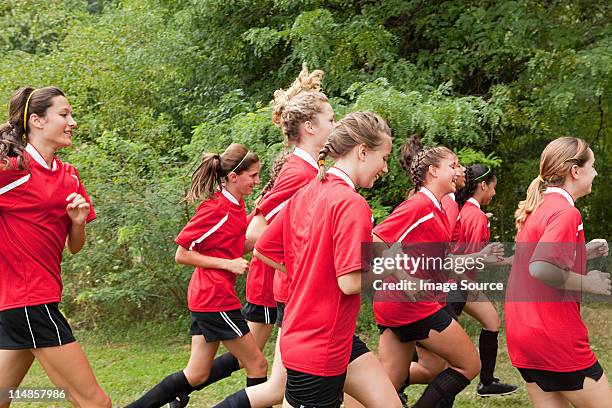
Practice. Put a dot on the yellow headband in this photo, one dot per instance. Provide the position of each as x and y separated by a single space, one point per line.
25 111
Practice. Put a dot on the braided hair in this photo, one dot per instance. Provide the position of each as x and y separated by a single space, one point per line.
415 159
354 129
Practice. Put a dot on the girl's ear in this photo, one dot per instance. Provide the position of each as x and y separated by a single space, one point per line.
574 171
231 178
433 170
36 121
362 152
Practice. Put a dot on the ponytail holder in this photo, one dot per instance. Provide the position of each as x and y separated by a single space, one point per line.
25 111
321 162
541 179
217 157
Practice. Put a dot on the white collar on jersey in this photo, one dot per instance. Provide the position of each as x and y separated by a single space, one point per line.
229 196
337 172
431 196
474 201
561 191
303 154
452 195
39 159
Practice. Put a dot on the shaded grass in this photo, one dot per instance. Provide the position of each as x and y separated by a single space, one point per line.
129 360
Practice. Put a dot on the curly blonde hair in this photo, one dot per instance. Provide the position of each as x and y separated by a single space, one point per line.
301 102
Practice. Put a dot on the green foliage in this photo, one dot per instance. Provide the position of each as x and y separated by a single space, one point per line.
156 83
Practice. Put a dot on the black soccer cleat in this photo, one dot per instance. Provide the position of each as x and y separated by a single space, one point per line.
495 388
404 399
179 402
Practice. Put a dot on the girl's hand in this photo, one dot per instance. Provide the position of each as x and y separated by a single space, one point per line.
598 283
77 208
597 248
237 266
492 253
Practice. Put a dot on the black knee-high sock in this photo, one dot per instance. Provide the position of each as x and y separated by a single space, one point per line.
254 381
442 390
222 367
237 400
487 343
164 392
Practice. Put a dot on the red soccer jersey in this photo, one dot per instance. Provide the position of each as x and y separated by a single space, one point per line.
217 229
472 231
263 286
548 335
451 208
34 226
420 219
322 229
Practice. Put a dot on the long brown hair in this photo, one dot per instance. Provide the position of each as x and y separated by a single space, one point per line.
354 129
556 160
13 133
207 178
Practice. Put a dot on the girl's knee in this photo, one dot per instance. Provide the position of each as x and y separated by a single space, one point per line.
258 366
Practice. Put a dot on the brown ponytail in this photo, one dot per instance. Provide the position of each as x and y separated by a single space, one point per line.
207 178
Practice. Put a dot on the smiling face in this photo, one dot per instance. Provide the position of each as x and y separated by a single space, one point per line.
246 181
487 191
55 127
445 174
373 162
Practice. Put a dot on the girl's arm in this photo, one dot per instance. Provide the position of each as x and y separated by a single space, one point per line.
78 210
194 258
269 261
593 282
256 227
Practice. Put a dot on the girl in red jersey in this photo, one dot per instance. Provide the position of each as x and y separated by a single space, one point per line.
214 241
318 237
420 221
472 234
547 340
306 118
43 207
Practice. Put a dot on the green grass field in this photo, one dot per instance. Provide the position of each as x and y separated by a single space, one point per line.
129 361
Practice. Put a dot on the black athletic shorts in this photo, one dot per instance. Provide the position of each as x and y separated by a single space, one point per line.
552 381
419 330
455 302
312 391
217 326
358 348
33 327
259 314
280 313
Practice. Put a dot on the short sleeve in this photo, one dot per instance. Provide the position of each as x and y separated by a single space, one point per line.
207 220
270 243
397 226
12 182
284 188
557 244
351 227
